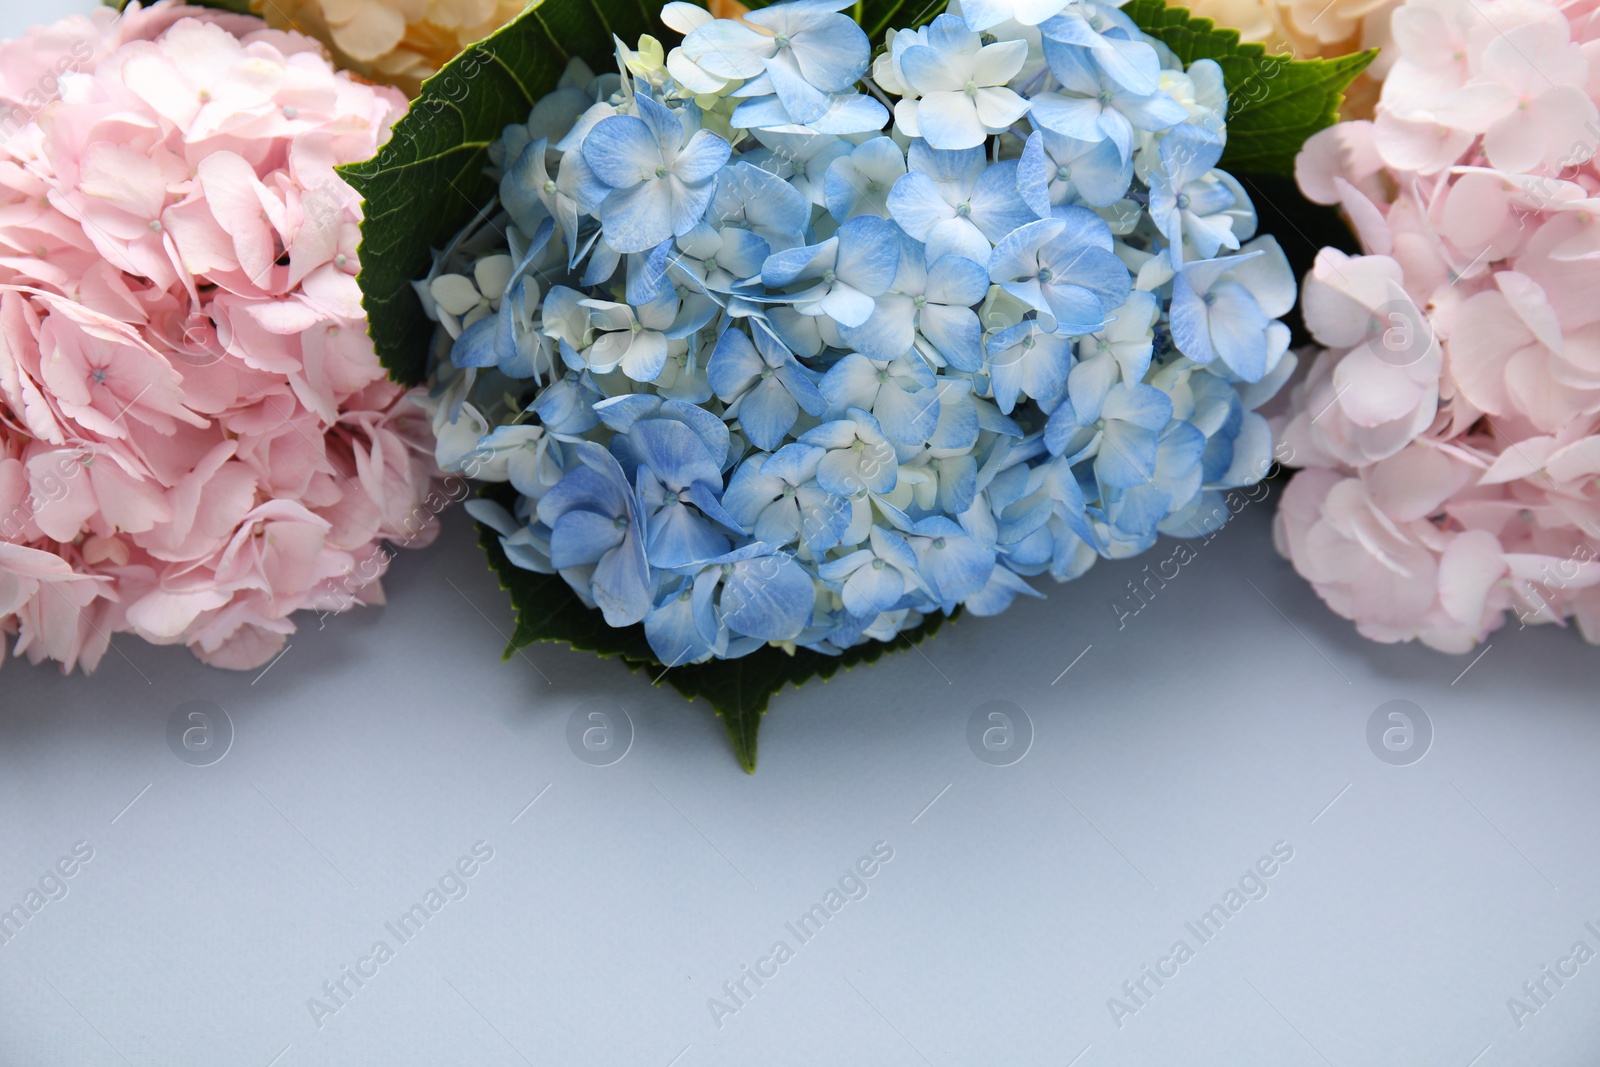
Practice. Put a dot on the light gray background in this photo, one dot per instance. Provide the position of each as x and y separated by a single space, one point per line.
1230 714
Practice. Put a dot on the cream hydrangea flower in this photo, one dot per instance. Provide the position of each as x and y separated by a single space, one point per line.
1313 29
404 42
401 42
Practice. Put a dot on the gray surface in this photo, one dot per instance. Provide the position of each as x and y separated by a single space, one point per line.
1222 719
1167 760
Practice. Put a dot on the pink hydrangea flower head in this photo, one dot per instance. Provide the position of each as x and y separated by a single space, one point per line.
1450 422
196 437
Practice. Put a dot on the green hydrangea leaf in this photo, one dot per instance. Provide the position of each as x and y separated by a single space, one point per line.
878 16
1274 102
428 181
738 690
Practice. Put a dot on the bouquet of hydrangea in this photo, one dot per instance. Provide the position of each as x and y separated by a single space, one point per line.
773 353
1452 423
196 437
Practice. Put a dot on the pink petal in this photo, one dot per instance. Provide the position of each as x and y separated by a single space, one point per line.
1468 569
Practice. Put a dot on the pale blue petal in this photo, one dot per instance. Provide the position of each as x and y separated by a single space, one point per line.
927 68
1157 111
956 333
620 585
674 453
750 490
766 413
846 305
1178 460
1090 381
916 205
873 589
850 383
621 151
958 236
832 51
1075 117
843 567
742 252
950 33
1187 313
836 434
889 333
702 157
1127 455
674 638
703 495
760 113
1035 171
869 254
957 281
949 121
1139 404
665 126
621 412
907 418
785 267
957 568
997 205
640 217
1252 453
588 489
803 101
770 598
603 263
1076 310
580 538
735 365
958 483
712 431
824 518
797 380
850 113
477 346
1238 329
727 48
1015 256
1097 271
1265 271
779 524
678 537
959 168
1063 427
1073 67
688 202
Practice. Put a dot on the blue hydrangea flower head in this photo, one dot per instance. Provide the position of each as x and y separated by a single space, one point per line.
777 350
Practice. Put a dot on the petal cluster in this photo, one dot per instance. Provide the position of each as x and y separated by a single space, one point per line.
196 437
775 350
1452 419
